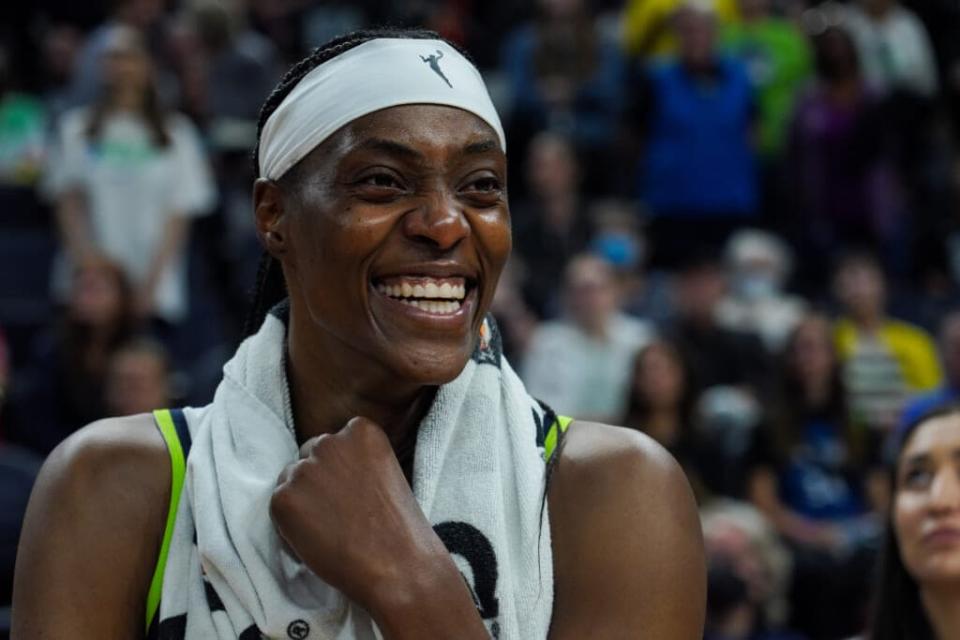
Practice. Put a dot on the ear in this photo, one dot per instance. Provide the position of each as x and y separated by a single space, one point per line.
270 216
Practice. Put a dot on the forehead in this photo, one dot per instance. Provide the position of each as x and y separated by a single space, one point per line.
426 128
933 436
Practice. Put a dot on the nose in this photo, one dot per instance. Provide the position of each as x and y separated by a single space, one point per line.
439 222
945 491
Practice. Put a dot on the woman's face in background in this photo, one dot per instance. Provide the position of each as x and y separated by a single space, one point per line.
97 296
126 66
926 509
659 376
811 350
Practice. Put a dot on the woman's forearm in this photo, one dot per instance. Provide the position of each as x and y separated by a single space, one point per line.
432 603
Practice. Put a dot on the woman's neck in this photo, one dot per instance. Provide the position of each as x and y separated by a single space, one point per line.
942 604
816 392
663 425
559 207
328 387
127 99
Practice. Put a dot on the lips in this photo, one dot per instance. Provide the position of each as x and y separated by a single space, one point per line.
941 537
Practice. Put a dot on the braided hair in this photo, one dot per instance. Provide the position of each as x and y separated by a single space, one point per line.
270 288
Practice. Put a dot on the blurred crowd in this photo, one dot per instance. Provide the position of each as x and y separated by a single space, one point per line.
736 229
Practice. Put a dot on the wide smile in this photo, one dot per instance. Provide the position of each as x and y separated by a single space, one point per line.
442 301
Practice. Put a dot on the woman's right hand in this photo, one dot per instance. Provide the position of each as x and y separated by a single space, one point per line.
346 510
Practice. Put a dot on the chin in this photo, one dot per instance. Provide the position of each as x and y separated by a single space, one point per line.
431 366
941 570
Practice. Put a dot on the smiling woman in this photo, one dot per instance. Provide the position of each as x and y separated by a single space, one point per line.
370 466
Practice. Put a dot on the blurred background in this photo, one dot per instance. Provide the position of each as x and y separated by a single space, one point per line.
736 228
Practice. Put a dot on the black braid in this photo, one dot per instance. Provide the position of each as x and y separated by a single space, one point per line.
270 287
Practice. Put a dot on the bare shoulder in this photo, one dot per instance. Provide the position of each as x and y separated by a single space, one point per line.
114 442
95 518
598 453
628 549
106 460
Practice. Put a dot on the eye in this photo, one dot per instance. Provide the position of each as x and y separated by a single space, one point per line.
916 478
484 191
486 184
382 180
379 186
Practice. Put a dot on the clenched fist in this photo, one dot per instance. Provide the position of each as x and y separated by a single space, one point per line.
347 511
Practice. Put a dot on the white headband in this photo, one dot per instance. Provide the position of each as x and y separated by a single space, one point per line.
381 73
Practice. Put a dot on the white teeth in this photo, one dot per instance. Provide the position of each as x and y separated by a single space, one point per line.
428 290
432 306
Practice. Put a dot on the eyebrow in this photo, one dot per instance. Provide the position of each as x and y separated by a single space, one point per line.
923 458
399 149
482 147
920 458
391 147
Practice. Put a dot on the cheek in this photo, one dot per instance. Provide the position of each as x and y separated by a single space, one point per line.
494 242
907 521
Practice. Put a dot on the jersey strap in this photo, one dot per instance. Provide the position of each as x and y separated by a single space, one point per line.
173 427
554 436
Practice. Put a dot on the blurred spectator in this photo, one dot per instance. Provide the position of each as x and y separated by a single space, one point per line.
717 356
759 264
128 177
619 239
810 478
580 365
565 77
949 391
227 72
22 123
661 403
647 29
884 359
729 375
749 574
779 61
698 167
59 50
894 47
138 379
142 16
551 225
810 464
898 63
62 387
843 185
516 321
915 591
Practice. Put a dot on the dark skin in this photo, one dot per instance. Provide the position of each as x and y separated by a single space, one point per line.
628 556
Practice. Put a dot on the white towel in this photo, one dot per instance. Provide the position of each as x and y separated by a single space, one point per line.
478 476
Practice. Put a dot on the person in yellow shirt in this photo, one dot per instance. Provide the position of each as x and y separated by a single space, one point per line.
884 360
646 23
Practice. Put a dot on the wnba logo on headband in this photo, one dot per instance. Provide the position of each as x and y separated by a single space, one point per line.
330 97
434 62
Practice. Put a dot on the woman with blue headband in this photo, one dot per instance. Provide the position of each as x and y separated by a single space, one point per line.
918 593
370 466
